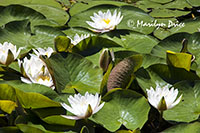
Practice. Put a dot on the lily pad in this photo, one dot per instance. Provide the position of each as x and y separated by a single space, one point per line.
123 107
18 12
7 106
19 34
164 74
194 2
46 2
59 120
26 99
188 105
162 1
167 13
81 6
58 15
72 71
92 45
184 128
132 41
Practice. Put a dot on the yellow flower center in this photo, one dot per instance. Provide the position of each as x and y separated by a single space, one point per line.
3 51
107 21
43 77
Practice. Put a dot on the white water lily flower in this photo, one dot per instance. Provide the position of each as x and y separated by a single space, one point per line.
161 95
105 21
83 106
78 38
8 53
40 51
35 71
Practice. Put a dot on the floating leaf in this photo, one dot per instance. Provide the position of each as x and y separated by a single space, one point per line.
18 12
28 100
184 128
72 71
93 45
123 107
7 106
189 104
62 43
59 120
180 60
19 34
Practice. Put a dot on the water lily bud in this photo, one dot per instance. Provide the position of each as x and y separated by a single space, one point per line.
162 104
8 53
105 59
89 111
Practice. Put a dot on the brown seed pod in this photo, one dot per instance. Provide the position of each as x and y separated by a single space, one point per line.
121 74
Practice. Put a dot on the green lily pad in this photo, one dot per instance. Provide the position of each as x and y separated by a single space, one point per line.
21 2
178 4
52 13
59 120
31 128
18 12
44 36
7 106
92 45
123 107
162 1
81 6
189 104
72 71
161 73
167 13
184 128
146 5
19 33
26 99
37 88
194 2
180 60
190 26
132 41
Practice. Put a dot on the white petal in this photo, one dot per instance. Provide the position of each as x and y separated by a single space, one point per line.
25 80
98 108
175 103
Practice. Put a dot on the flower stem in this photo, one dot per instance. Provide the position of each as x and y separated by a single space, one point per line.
161 116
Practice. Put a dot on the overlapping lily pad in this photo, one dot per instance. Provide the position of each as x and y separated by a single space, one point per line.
72 71
188 105
123 107
184 128
27 100
19 33
18 12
